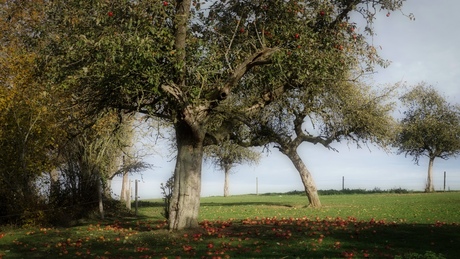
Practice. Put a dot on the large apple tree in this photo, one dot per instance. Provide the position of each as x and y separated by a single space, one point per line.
181 60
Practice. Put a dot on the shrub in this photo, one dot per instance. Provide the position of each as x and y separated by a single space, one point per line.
166 190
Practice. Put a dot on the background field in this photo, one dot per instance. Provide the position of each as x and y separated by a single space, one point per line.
415 225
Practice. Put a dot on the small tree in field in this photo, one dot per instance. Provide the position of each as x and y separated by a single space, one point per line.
430 127
227 155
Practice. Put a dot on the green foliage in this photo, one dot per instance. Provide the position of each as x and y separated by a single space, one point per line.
121 51
431 125
313 77
124 53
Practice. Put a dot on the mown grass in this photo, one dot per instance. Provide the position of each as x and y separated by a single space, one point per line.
414 225
411 208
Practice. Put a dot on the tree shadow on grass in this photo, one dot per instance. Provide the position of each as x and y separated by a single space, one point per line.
317 239
263 238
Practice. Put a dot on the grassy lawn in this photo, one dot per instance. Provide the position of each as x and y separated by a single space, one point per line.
265 226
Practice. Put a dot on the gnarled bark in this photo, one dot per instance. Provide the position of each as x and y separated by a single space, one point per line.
185 200
307 179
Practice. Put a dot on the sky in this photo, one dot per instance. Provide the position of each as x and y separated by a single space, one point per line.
425 49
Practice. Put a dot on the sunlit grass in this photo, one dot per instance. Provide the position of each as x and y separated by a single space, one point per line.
411 208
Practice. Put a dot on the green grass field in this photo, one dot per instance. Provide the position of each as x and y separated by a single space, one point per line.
413 225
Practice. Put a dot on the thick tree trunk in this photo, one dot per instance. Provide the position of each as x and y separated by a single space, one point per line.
307 179
227 180
185 200
429 181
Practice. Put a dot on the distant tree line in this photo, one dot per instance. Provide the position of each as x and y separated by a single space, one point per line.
376 190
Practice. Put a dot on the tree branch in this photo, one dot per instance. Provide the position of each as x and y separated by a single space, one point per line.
231 42
303 137
175 91
348 7
259 58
